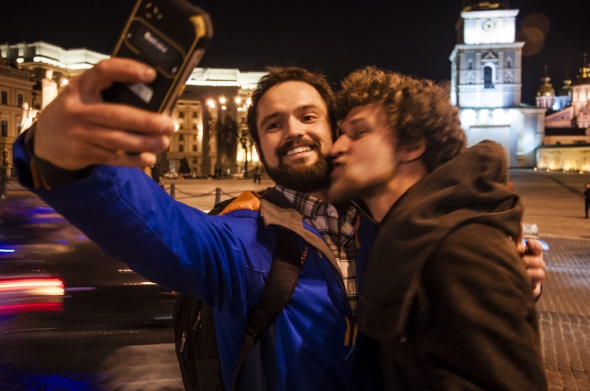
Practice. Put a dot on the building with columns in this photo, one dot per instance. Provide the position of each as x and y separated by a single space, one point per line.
210 114
486 69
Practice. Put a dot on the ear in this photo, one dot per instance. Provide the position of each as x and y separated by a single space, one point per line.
413 152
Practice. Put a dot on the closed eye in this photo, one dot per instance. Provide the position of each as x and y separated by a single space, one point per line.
360 133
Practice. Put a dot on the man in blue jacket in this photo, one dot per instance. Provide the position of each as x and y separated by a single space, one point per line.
77 159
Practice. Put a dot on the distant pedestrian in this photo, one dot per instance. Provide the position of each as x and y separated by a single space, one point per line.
257 172
587 195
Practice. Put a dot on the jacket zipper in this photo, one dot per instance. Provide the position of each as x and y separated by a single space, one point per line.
182 342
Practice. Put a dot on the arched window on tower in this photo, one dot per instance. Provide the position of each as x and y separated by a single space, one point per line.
488 77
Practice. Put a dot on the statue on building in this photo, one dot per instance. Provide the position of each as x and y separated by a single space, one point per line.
27 117
48 89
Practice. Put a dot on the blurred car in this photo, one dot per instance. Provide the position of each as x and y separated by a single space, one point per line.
64 306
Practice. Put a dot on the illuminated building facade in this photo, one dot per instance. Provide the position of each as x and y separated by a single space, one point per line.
16 87
210 114
211 124
567 127
486 69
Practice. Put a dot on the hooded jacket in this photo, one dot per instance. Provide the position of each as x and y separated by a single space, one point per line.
444 291
225 260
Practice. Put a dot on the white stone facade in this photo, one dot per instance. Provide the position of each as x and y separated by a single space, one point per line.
486 84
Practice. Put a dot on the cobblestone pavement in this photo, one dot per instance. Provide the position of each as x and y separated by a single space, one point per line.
565 314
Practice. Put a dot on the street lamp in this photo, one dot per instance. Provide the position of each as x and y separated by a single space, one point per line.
244 142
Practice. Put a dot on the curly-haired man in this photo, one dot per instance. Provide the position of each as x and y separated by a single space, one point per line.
444 291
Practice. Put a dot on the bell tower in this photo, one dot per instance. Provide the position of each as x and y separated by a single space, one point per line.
486 81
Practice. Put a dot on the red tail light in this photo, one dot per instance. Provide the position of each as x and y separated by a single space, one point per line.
30 294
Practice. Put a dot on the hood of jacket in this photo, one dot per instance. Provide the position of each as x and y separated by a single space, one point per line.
471 188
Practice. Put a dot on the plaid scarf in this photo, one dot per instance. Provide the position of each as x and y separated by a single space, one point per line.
337 229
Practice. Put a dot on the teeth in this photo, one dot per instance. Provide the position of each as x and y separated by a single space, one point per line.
297 150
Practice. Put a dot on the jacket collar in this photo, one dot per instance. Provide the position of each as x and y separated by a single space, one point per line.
276 210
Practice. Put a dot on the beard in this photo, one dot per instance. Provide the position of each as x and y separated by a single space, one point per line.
343 190
350 188
302 178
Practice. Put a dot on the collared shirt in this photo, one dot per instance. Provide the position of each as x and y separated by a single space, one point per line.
337 230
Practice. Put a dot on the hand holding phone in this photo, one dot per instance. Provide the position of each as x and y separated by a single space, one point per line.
169 35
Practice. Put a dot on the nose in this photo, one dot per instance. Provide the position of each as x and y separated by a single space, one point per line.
294 129
340 146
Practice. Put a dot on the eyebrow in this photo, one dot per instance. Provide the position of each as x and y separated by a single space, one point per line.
356 120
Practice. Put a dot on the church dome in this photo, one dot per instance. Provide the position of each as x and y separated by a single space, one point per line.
546 88
566 89
475 5
584 76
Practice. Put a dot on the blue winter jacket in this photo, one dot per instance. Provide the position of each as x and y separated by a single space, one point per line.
225 260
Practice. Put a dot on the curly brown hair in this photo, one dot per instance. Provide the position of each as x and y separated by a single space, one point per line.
415 108
278 75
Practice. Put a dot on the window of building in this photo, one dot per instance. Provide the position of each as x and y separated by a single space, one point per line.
195 161
181 148
487 77
181 114
181 126
181 137
194 114
194 137
470 64
4 128
19 100
194 126
4 97
194 148
509 63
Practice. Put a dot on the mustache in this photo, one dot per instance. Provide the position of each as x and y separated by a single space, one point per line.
301 142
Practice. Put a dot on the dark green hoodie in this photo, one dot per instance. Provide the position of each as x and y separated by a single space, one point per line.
445 292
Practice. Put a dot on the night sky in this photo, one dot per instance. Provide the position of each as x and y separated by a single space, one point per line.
336 37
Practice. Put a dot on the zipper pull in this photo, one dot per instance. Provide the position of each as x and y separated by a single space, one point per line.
198 322
182 342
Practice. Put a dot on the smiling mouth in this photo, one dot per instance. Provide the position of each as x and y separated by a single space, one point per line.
297 150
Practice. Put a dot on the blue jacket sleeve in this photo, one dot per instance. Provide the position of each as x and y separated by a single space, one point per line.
134 220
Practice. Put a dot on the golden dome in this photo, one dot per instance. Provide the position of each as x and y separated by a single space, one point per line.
546 88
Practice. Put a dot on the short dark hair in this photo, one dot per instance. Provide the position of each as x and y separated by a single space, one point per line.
278 75
415 108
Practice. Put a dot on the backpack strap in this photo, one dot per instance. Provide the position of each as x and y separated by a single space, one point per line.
281 283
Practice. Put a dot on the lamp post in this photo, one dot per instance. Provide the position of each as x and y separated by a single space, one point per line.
244 142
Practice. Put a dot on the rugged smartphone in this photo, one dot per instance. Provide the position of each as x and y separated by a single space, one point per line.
169 35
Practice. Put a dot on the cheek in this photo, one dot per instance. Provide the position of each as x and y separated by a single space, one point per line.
268 147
